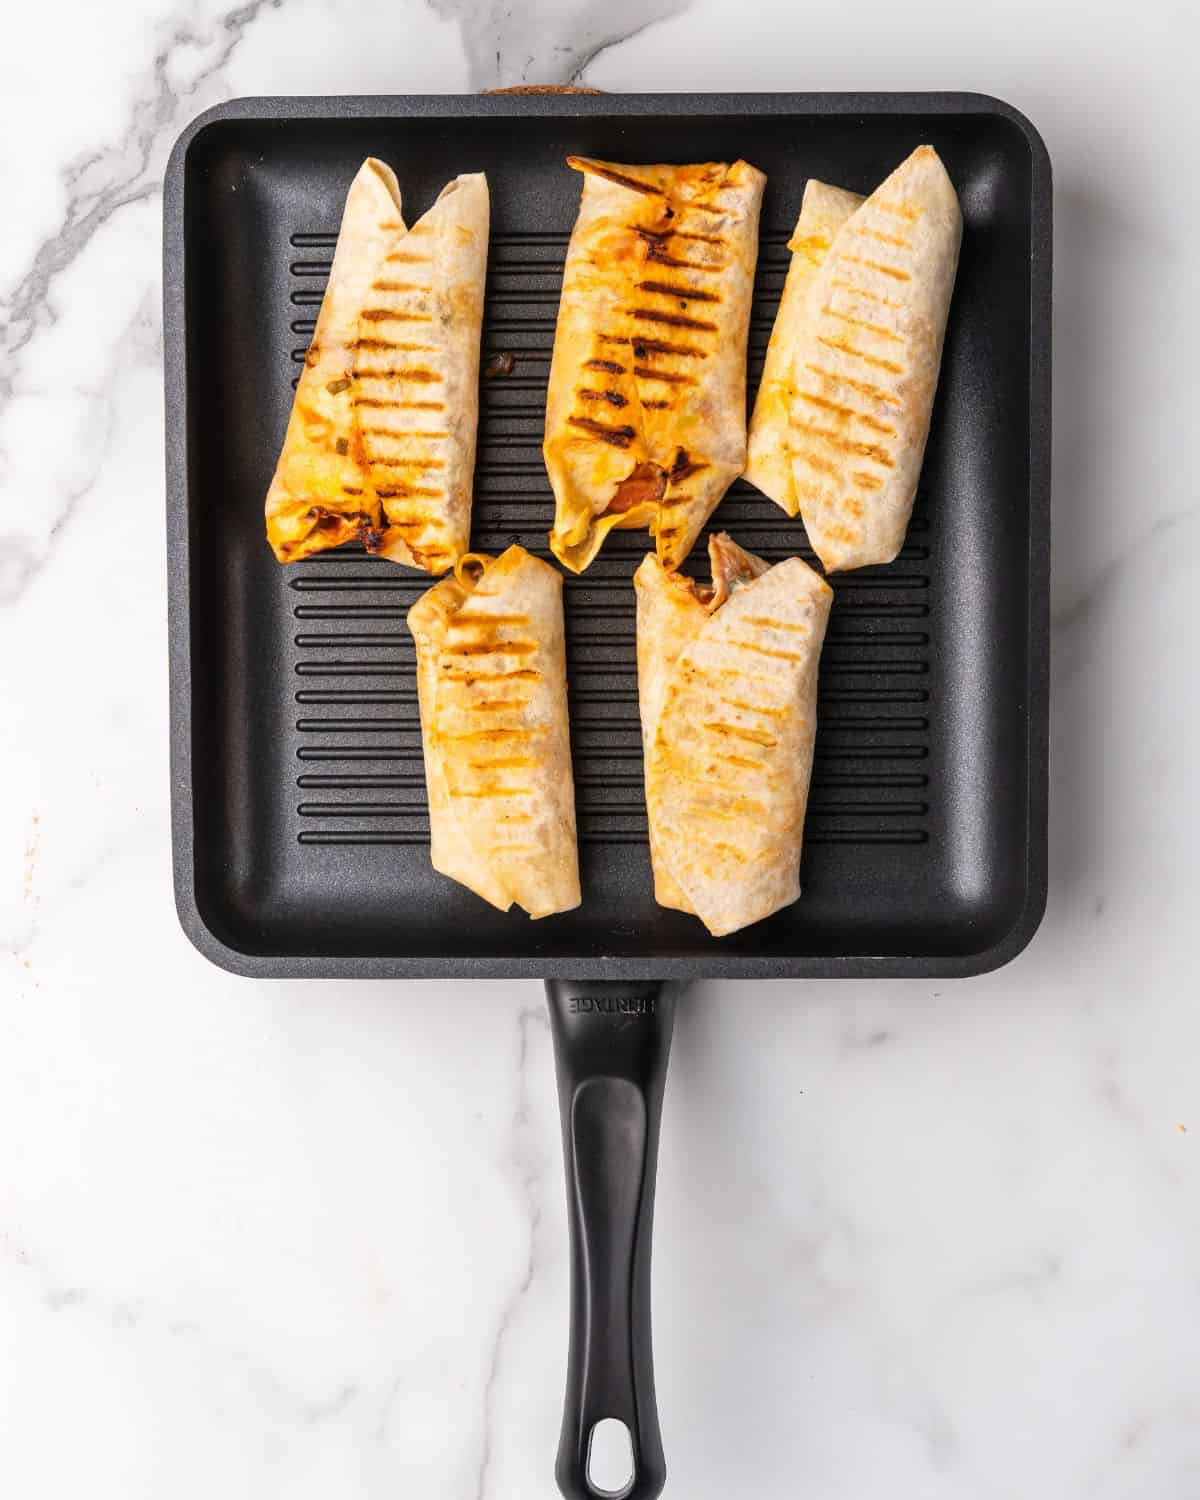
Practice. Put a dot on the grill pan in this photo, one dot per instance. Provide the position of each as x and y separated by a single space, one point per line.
300 830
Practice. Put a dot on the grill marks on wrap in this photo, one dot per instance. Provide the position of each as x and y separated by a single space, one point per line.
489 668
616 437
684 296
369 452
845 396
405 455
623 179
729 764
644 362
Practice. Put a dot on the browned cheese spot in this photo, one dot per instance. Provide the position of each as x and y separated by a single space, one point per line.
875 328
754 708
376 344
828 378
613 398
768 623
416 373
862 291
622 179
837 409
876 265
671 320
493 648
866 233
491 735
648 348
866 481
390 315
740 732
766 651
672 289
380 461
843 346
844 444
487 622
667 377
386 372
684 466
618 437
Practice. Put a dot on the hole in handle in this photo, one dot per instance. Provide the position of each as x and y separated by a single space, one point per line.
610 1466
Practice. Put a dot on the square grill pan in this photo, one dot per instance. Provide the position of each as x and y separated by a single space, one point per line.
300 828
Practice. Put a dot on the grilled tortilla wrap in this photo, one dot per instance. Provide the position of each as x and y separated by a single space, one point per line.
381 441
768 453
492 685
727 682
839 428
646 409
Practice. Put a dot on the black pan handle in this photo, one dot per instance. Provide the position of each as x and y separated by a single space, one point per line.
611 1043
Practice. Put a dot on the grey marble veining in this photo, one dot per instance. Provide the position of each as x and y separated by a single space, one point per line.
184 75
510 44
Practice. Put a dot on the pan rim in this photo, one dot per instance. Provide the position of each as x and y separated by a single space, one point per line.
709 965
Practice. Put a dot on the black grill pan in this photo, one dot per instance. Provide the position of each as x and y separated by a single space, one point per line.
300 829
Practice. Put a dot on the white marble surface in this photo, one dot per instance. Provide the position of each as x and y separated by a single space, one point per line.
303 1240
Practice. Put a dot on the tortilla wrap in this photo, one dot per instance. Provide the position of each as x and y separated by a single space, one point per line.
380 446
727 684
839 429
768 453
492 687
646 408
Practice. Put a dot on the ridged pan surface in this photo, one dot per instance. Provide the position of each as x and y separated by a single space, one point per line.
301 828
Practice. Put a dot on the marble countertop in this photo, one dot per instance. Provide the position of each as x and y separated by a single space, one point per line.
297 1240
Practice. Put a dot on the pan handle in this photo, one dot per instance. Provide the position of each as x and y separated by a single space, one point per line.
611 1043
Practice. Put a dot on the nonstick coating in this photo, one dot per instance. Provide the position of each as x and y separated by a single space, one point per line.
300 829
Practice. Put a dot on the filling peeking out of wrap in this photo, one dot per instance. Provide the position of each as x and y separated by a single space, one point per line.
492 685
645 413
842 415
380 446
727 683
